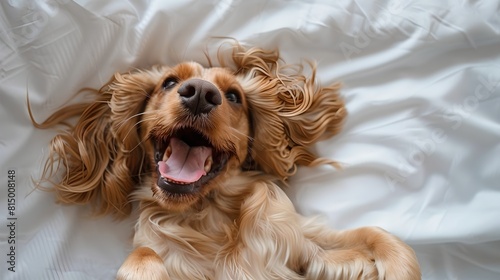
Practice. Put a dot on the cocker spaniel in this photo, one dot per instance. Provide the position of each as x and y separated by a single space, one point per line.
205 153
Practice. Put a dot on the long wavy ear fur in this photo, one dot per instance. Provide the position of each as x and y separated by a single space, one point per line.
289 111
102 154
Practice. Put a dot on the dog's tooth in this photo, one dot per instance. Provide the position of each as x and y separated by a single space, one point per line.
167 153
208 164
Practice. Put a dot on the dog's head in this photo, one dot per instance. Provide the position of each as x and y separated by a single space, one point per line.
196 130
189 128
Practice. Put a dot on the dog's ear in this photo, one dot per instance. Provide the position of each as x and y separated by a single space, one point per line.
102 154
289 111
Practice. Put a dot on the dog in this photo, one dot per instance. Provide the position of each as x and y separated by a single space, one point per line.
203 154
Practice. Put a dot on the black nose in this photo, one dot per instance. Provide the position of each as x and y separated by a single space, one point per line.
199 96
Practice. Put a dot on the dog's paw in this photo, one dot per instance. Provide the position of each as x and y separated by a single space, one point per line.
342 265
143 263
394 259
364 253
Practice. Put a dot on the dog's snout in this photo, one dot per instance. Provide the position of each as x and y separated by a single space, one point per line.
199 96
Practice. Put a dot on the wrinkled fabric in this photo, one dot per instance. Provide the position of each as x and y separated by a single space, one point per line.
420 148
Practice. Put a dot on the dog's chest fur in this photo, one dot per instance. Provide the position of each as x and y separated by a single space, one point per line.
194 239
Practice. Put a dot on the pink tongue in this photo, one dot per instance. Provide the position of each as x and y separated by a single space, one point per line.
186 164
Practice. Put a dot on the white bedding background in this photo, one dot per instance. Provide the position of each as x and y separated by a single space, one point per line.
421 146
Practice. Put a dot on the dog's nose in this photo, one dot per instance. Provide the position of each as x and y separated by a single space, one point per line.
199 96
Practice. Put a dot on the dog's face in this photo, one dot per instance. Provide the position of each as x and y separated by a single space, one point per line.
189 128
198 129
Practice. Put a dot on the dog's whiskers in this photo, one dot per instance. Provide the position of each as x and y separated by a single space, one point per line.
134 116
139 145
136 124
237 132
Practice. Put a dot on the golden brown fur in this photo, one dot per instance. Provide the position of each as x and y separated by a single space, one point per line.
234 222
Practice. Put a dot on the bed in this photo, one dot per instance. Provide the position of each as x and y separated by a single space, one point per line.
420 150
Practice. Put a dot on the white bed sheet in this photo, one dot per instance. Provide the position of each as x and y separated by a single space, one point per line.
421 146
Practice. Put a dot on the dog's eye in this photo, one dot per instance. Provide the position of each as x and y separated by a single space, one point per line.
233 96
169 83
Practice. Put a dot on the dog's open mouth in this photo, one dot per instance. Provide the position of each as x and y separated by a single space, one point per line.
186 161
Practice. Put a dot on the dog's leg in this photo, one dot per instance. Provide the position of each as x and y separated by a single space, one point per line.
143 263
364 253
267 239
272 241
